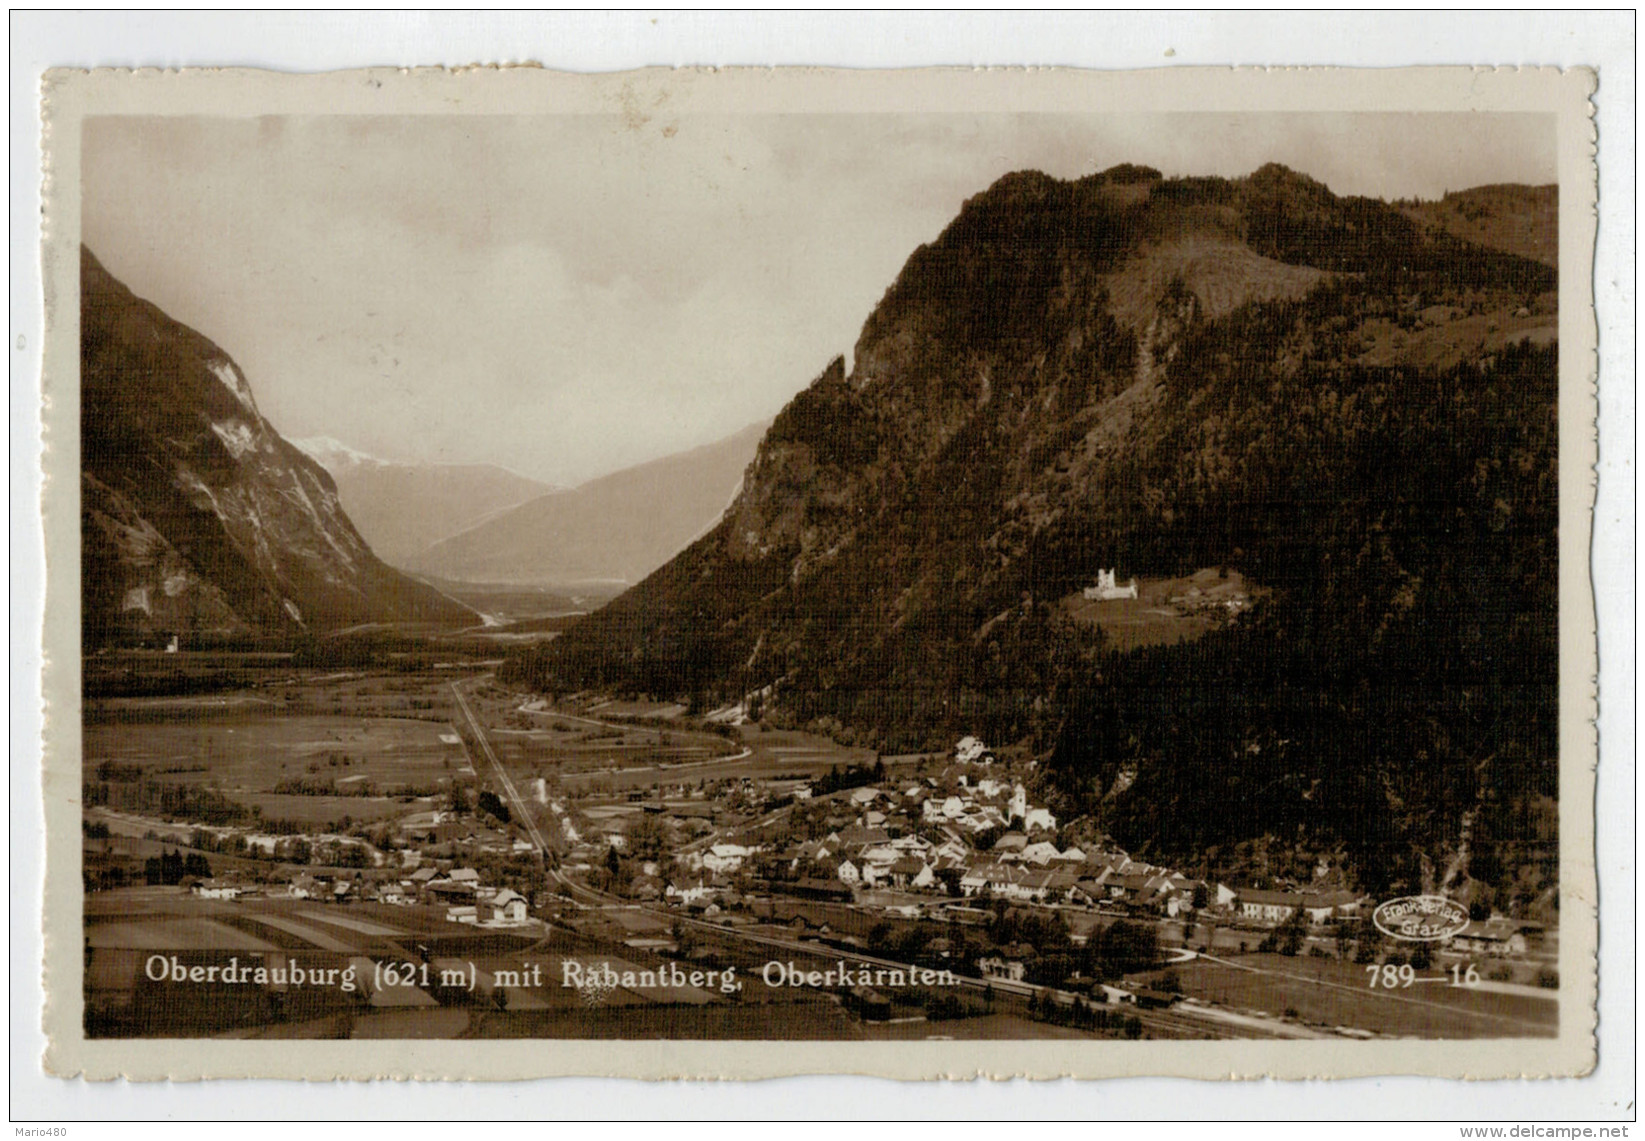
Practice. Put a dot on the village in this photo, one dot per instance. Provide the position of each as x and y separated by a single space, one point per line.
386 813
954 839
960 840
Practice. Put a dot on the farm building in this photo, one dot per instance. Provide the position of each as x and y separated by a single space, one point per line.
1268 906
507 907
1492 937
1008 970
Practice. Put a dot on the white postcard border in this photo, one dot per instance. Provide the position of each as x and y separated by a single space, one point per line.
72 96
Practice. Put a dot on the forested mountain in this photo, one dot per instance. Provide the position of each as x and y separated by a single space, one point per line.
1352 408
1521 220
196 515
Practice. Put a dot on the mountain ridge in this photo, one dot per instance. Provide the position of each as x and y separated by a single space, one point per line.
197 516
1515 219
1159 375
616 528
402 508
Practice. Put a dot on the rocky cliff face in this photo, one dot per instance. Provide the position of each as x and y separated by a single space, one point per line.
1347 406
196 515
1011 393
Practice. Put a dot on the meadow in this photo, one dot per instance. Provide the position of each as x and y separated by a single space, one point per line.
1331 992
308 768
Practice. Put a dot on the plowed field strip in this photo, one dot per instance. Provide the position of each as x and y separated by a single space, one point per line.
304 932
359 925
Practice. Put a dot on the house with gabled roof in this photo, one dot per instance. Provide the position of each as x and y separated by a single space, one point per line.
910 871
1268 906
1040 852
1128 887
722 858
450 891
1322 907
1006 970
1038 885
1088 892
507 906
1039 820
1495 937
689 892
1060 883
856 836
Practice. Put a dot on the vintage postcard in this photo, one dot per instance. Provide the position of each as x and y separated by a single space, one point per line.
745 573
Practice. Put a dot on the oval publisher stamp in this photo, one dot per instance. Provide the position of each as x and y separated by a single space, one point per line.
1420 918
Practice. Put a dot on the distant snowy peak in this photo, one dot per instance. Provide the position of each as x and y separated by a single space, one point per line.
331 454
401 508
334 455
196 515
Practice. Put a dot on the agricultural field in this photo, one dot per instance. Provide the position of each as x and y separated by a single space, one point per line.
986 1028
804 1017
1331 992
640 758
126 928
590 753
282 763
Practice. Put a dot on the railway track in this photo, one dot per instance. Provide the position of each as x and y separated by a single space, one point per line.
1164 1022
516 802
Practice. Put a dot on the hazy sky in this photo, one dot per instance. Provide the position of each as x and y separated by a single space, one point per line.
567 295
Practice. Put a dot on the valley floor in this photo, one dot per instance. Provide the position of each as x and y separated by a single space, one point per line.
468 858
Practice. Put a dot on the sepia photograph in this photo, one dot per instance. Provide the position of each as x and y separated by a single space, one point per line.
647 566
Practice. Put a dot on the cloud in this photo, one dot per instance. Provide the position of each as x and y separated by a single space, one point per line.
567 295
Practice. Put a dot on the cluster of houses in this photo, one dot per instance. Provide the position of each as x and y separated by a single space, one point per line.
976 835
459 891
975 808
1275 907
908 839
969 831
922 836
